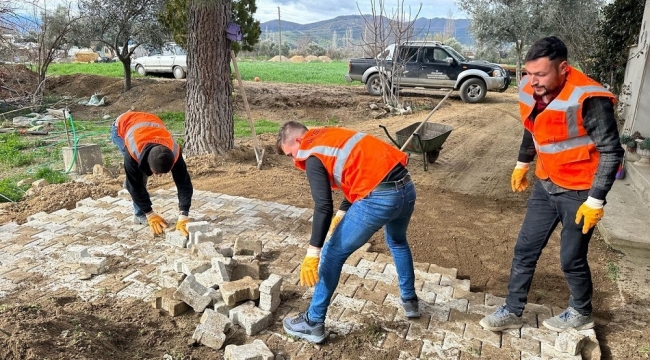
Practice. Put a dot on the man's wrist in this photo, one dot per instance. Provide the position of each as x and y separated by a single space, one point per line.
183 213
150 213
313 251
522 165
595 203
340 212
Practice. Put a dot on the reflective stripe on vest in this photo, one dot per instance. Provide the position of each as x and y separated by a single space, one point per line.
130 139
565 145
524 97
572 106
341 154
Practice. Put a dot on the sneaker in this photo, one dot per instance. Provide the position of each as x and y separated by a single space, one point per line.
139 219
569 318
501 319
301 327
411 307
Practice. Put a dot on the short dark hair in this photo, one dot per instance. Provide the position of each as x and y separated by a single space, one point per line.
550 46
286 130
161 159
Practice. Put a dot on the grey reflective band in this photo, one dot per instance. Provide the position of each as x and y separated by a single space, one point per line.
564 145
524 97
341 154
571 106
131 140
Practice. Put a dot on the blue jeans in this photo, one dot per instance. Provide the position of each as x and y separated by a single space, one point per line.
119 142
389 208
544 213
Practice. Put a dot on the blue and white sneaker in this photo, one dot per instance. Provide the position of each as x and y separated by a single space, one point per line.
301 327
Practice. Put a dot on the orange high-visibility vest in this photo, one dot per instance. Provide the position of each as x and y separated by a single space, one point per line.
355 162
565 153
139 129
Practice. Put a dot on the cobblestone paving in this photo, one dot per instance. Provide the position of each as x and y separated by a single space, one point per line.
367 292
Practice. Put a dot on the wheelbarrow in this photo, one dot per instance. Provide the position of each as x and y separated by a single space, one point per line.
427 141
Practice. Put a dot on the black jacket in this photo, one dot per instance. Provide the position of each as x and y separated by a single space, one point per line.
137 187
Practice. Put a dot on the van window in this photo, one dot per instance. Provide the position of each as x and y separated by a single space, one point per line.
409 54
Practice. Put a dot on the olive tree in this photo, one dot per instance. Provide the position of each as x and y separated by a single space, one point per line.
123 26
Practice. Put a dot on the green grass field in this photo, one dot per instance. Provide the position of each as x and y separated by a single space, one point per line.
297 73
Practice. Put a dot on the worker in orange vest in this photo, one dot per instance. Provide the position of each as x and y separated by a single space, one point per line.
569 124
378 193
149 149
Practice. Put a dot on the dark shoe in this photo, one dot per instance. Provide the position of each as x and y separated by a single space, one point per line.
569 319
501 319
411 307
301 327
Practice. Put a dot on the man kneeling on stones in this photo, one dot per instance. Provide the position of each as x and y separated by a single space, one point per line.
378 193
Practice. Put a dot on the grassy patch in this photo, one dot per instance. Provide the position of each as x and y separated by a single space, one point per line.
287 72
9 191
51 176
242 128
644 349
10 151
612 271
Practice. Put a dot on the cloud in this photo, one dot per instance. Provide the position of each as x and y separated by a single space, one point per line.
308 11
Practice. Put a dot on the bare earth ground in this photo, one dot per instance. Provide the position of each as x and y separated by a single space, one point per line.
466 217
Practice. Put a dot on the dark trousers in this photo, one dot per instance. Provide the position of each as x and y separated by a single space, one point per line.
544 212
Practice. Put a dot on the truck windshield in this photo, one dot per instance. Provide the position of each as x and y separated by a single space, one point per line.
455 53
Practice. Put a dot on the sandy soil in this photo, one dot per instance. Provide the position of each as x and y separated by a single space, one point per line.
466 217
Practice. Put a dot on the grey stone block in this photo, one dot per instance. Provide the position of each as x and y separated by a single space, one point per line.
194 227
175 238
241 290
246 266
191 266
170 279
93 265
75 253
255 351
251 318
270 293
193 294
207 250
570 341
215 236
164 299
212 277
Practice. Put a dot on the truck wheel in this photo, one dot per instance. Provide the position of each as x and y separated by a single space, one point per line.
179 73
373 85
140 70
473 91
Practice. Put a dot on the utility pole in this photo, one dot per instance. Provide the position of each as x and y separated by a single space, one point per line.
280 31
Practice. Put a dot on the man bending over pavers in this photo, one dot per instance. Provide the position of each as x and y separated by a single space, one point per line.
378 192
570 126
149 149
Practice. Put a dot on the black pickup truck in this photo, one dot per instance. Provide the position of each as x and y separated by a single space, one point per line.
431 65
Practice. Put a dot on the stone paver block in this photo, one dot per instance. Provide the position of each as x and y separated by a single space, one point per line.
213 329
248 247
251 318
549 352
527 345
491 300
215 320
543 335
474 331
191 266
93 265
194 227
447 280
246 266
215 237
170 279
175 238
270 292
164 299
239 290
255 351
212 278
193 293
451 272
206 250
74 253
570 341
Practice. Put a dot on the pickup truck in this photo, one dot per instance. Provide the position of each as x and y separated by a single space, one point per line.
431 65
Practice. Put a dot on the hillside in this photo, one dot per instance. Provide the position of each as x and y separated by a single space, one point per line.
352 26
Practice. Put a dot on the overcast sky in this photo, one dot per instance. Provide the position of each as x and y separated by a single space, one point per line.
309 11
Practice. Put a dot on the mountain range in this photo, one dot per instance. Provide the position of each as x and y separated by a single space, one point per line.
352 27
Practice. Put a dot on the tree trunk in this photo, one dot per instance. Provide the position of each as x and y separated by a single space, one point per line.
126 64
209 127
519 48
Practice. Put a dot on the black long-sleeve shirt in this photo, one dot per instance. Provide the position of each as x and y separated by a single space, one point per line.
321 192
137 187
600 124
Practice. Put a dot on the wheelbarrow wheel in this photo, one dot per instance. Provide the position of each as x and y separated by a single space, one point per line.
432 156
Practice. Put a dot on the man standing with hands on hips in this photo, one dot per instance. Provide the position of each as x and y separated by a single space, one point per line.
149 149
570 126
378 193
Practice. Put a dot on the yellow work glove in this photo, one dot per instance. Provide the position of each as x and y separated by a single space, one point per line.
335 221
518 180
309 267
590 212
181 224
156 223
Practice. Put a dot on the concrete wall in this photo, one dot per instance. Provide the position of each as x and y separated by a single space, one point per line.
637 81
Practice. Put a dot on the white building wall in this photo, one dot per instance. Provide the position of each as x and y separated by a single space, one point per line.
633 108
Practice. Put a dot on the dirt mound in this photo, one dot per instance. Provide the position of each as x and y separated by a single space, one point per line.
312 58
54 197
277 58
325 59
298 59
16 81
